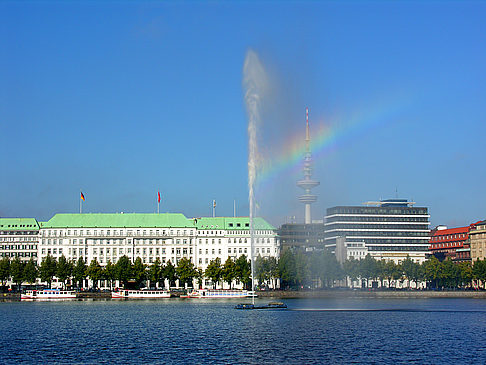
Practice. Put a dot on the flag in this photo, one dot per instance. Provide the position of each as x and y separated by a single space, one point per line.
82 196
214 203
158 195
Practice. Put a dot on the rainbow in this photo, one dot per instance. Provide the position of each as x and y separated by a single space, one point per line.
331 134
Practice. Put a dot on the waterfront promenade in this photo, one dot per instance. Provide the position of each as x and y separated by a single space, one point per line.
292 294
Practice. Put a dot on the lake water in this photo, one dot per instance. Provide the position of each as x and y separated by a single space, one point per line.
319 331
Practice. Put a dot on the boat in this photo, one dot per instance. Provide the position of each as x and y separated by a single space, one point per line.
219 293
48 294
140 294
271 305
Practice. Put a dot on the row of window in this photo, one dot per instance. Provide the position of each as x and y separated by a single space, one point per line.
18 247
18 233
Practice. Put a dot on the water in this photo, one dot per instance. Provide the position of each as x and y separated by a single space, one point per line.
433 331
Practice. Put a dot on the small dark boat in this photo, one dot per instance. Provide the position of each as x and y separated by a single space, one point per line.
271 305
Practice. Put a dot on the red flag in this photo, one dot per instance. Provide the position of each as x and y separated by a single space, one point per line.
158 193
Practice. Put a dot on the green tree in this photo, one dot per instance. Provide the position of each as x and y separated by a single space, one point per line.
123 270
351 269
139 271
214 271
199 277
243 270
64 270
47 269
79 272
287 268
262 273
109 273
229 271
170 274
302 271
30 271
155 272
17 271
408 267
273 269
466 273
432 270
94 272
186 272
4 270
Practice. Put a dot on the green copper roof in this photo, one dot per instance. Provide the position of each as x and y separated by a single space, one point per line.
18 224
108 220
229 223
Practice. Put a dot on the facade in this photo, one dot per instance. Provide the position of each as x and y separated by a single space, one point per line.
390 229
451 243
19 238
308 237
477 237
169 237
349 250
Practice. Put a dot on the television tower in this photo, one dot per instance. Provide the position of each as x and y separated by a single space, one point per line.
307 183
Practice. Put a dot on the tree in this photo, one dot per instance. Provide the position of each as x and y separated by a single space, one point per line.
64 270
214 271
4 270
261 270
170 274
123 270
350 268
30 271
17 271
155 272
185 271
94 272
286 268
199 277
243 270
431 270
302 271
139 271
229 271
109 273
79 272
47 269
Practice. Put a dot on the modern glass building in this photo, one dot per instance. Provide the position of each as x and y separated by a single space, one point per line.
390 229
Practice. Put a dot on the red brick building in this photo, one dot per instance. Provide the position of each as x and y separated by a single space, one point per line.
451 243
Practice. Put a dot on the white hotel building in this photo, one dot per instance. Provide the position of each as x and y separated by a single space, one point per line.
168 236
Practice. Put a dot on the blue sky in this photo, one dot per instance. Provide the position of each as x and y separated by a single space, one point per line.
122 99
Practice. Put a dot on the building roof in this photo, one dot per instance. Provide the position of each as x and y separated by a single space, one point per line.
109 220
229 223
18 224
144 220
448 231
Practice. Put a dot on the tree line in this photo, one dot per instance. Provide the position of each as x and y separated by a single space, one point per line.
320 269
74 273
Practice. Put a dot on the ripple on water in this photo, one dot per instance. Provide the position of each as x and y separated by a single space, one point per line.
213 332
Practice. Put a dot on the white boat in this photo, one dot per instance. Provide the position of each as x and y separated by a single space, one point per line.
219 293
140 294
48 294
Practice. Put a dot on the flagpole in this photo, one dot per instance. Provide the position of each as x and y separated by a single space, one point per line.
80 205
158 207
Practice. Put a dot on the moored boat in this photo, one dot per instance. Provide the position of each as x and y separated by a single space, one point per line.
48 294
140 294
219 293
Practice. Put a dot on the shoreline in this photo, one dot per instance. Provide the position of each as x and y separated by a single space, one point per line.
296 294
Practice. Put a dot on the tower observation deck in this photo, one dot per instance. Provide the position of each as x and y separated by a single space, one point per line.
307 183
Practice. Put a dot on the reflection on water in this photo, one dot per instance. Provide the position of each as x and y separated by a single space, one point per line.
211 331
